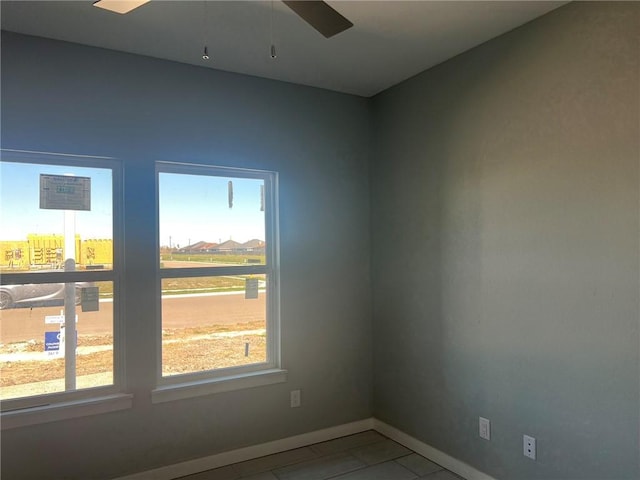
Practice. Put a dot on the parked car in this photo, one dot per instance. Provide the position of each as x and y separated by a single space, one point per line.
36 294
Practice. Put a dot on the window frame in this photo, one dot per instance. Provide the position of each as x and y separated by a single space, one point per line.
68 404
243 376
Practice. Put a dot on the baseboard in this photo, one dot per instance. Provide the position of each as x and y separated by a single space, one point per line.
198 465
427 451
248 453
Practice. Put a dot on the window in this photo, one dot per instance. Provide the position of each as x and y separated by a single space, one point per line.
59 260
62 245
218 272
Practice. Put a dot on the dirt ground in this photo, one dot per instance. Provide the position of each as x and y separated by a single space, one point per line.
184 350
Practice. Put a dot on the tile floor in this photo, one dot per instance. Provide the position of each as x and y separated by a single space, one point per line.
363 456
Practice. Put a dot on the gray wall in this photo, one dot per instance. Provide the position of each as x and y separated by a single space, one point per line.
59 97
505 260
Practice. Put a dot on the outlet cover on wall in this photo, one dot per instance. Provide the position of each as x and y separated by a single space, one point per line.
529 446
485 428
295 398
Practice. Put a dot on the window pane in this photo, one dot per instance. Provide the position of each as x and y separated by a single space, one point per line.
213 322
32 342
208 221
33 231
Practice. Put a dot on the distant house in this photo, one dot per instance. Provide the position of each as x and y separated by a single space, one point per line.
254 246
230 246
199 247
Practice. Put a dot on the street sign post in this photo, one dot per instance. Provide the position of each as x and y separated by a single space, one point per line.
68 193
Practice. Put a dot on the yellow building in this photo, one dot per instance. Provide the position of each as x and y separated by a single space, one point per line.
47 251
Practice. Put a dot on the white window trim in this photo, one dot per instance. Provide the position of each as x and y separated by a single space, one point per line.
35 409
177 387
66 410
235 381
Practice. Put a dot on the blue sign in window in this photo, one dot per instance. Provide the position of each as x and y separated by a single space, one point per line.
51 341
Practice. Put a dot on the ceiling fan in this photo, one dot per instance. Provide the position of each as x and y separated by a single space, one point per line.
320 16
316 13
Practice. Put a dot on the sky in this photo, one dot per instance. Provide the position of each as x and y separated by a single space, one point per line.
192 207
195 208
20 212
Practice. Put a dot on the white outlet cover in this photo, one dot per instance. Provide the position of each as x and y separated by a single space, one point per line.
529 447
485 428
295 398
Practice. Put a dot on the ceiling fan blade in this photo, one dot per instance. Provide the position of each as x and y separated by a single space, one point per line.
119 6
320 16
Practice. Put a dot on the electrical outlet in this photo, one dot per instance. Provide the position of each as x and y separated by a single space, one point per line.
295 398
529 447
485 428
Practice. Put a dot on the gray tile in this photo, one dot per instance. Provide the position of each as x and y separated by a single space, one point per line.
442 475
382 471
222 473
345 443
418 464
321 468
261 476
380 452
276 460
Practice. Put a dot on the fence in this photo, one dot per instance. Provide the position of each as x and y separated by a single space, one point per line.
47 251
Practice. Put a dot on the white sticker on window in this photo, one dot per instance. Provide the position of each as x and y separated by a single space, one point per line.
251 288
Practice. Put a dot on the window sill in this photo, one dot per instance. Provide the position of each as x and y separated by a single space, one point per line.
65 410
179 391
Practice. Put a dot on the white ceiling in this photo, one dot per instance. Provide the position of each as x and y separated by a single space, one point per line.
390 42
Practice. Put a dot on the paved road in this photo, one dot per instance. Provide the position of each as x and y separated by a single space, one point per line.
23 324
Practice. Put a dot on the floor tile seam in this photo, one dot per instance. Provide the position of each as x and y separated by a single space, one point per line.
314 455
322 457
271 468
395 460
345 473
377 440
415 475
440 467
345 455
363 467
317 455
273 473
386 459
